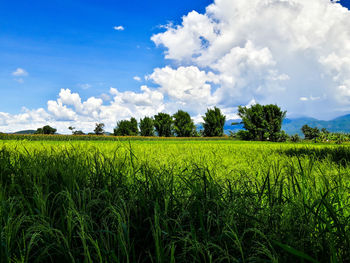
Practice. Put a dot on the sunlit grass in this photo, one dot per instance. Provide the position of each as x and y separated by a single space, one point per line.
173 201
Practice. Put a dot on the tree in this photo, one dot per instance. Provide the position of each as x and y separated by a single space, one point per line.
262 122
295 138
71 128
75 132
46 130
309 132
126 128
146 126
214 123
133 126
183 124
99 129
163 124
79 132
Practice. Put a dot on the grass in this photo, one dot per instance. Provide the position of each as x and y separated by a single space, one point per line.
173 201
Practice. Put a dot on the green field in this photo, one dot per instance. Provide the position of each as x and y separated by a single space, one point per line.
173 201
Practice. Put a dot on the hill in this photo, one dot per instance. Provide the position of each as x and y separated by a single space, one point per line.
25 132
293 126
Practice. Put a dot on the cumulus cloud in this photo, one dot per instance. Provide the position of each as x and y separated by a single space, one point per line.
119 28
271 51
70 110
295 53
20 72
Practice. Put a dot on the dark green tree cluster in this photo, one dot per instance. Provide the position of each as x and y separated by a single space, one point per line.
99 129
179 124
262 122
183 124
76 132
309 132
46 130
214 122
163 123
147 126
126 128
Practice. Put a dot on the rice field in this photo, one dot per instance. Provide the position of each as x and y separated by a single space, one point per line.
173 201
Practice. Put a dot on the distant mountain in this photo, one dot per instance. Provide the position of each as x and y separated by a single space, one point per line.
25 132
293 126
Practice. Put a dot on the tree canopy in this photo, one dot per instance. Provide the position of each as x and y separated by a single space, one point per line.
183 124
311 133
163 123
99 129
146 127
126 128
46 130
214 122
262 122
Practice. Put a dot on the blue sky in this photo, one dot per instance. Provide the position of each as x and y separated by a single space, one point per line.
81 62
66 44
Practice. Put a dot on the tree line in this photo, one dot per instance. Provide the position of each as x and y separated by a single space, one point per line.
261 122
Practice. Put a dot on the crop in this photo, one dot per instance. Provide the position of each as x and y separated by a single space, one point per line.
173 201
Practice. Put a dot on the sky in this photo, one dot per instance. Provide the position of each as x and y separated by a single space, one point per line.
76 63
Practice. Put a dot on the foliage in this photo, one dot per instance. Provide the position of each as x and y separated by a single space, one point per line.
282 136
146 126
214 122
183 124
163 123
99 129
309 132
126 128
295 138
262 122
163 201
78 132
75 132
134 126
46 130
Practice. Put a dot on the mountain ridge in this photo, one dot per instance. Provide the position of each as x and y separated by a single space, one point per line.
293 125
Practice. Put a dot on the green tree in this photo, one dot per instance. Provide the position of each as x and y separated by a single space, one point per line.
295 138
146 126
262 122
133 127
214 122
71 128
126 128
163 124
79 132
123 128
46 130
183 124
309 132
99 129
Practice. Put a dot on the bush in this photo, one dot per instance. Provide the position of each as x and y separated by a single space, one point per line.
295 138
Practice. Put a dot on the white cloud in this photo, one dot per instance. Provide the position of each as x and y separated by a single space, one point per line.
295 53
268 50
119 28
137 78
20 72
70 110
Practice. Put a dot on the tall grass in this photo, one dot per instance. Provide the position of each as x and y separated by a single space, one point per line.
156 202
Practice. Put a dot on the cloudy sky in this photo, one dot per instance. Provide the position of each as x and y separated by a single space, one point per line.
75 63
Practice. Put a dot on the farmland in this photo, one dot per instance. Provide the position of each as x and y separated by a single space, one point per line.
173 201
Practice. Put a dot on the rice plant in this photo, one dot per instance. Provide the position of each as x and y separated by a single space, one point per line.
173 201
